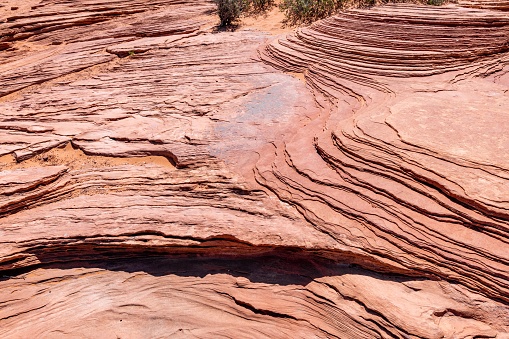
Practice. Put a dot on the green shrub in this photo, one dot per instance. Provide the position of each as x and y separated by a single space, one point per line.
298 11
230 11
307 11
258 6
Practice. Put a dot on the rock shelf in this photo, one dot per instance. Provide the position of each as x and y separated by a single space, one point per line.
159 177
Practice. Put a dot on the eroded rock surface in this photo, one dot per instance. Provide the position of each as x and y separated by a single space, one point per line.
162 178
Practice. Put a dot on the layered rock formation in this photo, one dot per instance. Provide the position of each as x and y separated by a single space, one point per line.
485 4
162 178
416 159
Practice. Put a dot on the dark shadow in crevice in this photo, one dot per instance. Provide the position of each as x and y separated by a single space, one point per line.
227 28
281 266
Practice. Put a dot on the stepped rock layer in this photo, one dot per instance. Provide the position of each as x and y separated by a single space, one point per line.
413 154
162 178
500 5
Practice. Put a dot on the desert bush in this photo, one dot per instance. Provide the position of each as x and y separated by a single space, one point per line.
230 11
307 11
299 11
258 6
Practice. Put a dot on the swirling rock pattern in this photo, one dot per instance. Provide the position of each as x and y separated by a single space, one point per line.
415 162
160 178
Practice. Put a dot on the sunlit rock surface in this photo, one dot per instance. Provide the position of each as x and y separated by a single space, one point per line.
162 178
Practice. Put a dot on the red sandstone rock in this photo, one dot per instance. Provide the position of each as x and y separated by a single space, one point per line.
409 170
202 192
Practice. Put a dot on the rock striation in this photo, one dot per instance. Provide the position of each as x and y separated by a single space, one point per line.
413 163
162 178
485 4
